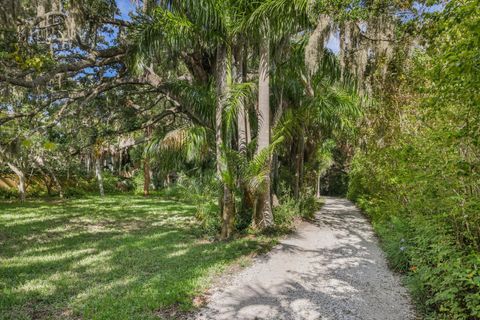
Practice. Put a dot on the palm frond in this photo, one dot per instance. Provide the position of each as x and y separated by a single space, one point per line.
196 100
239 96
162 33
190 144
208 15
255 172
279 17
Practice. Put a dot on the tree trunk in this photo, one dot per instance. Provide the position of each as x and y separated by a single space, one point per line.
275 174
319 177
21 180
98 173
248 132
263 217
48 185
243 127
146 168
120 160
87 164
57 183
226 200
302 159
299 165
146 177
221 79
242 116
52 175
228 214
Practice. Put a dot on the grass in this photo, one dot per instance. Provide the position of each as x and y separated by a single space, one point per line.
120 257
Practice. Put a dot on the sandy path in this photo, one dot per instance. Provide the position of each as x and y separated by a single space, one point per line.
333 269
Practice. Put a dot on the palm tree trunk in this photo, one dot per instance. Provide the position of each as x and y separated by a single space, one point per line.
221 79
263 217
228 214
299 165
248 133
227 199
275 174
243 135
242 116
21 180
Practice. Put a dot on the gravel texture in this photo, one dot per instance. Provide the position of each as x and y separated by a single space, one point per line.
330 269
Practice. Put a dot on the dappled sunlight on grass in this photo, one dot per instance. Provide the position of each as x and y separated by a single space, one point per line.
122 257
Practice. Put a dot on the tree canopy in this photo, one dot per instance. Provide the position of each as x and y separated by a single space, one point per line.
263 101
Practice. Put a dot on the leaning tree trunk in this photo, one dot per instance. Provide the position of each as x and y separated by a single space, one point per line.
98 173
227 199
57 183
41 164
21 180
263 217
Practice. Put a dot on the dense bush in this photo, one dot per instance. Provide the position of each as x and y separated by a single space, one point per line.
428 222
7 194
291 208
418 173
285 213
203 193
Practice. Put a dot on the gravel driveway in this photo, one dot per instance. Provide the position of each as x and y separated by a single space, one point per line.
330 269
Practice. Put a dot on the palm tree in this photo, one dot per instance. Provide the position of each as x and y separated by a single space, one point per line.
207 25
272 21
319 106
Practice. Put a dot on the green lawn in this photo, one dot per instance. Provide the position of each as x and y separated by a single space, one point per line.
122 257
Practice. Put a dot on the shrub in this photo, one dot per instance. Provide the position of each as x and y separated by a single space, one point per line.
8 194
309 204
425 223
285 213
306 207
207 214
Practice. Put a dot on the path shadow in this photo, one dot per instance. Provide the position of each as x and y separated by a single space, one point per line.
347 280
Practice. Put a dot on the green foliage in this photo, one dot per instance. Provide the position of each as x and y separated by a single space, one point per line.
420 181
285 214
309 204
203 193
418 175
290 208
419 193
7 194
